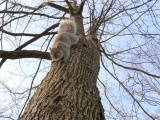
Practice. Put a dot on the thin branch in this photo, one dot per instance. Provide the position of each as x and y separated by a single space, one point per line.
22 6
25 34
126 67
30 90
127 91
126 27
32 40
12 21
3 22
110 102
29 13
135 69
37 37
24 54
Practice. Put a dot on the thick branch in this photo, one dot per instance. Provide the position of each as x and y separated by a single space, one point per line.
80 10
70 7
24 54
44 5
54 6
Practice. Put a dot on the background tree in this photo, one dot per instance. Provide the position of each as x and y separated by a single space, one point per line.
126 33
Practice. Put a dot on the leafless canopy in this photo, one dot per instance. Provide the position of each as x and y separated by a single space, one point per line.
129 39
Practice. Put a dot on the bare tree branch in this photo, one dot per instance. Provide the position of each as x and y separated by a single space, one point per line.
43 5
110 102
127 91
71 10
129 68
80 10
24 54
128 35
32 40
29 13
25 34
31 87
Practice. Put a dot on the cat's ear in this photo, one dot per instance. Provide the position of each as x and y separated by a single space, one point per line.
50 48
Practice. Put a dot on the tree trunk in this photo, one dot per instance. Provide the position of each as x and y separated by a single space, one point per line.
69 91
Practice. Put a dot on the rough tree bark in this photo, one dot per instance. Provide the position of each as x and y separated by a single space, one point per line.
69 91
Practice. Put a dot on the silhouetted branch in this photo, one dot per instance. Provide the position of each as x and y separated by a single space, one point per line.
32 40
70 7
25 34
29 13
24 54
43 5
80 10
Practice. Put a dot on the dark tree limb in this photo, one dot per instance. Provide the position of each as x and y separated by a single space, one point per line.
37 37
32 40
29 13
24 54
25 34
71 10
54 6
43 5
80 10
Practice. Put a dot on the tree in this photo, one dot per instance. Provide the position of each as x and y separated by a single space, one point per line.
120 37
